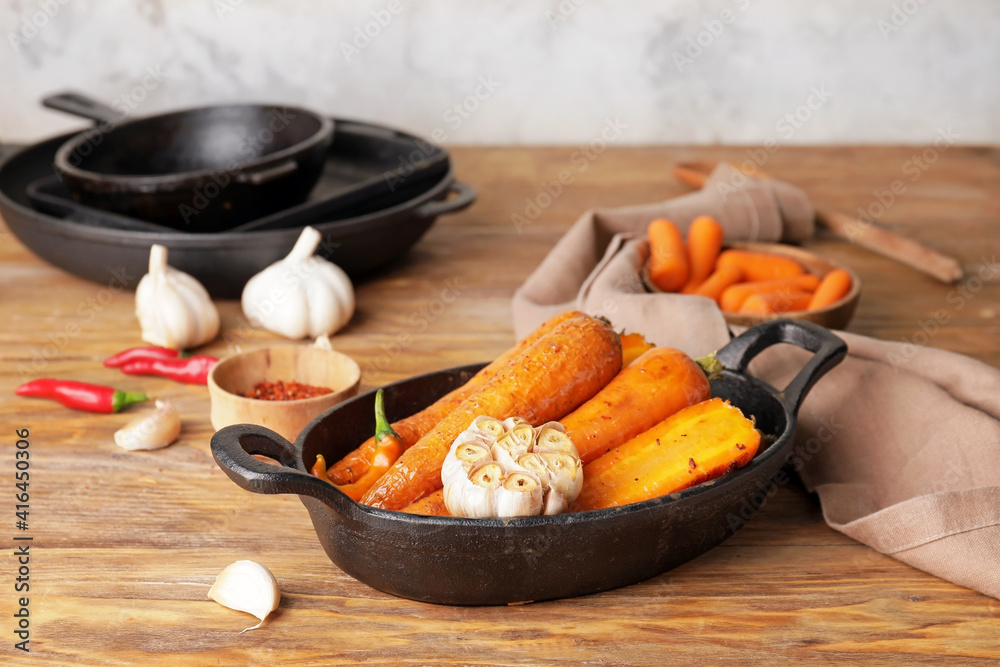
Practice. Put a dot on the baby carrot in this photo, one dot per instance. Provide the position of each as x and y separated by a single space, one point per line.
834 287
668 261
719 281
733 297
776 302
704 241
760 266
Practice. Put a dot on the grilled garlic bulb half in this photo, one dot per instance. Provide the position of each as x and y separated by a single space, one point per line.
510 468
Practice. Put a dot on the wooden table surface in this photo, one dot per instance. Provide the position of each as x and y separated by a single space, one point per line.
126 544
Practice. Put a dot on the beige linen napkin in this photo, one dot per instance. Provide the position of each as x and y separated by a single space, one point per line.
901 445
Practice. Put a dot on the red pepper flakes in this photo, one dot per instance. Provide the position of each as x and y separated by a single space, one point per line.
280 391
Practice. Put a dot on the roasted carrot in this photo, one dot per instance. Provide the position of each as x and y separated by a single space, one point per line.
760 266
704 241
556 374
412 428
659 383
734 296
696 444
783 301
668 260
634 345
716 283
387 451
834 287
432 505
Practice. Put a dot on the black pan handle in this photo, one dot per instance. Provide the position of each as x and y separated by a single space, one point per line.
83 106
233 447
828 348
465 195
261 176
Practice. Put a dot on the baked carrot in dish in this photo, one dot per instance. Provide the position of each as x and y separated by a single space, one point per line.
634 345
553 376
697 444
432 505
659 383
412 428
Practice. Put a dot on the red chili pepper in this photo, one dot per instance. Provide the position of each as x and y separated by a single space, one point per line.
137 353
192 370
81 395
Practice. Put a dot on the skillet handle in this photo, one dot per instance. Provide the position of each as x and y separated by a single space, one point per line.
466 194
829 351
233 446
262 176
83 106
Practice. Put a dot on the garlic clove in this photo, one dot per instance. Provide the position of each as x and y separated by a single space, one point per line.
488 425
519 495
555 503
523 434
566 473
506 450
555 440
247 586
152 431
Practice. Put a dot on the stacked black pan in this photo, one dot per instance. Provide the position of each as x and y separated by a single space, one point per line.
227 189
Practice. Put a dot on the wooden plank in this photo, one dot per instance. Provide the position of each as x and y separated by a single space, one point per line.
127 544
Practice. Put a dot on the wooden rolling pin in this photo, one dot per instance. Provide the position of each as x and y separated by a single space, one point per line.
862 232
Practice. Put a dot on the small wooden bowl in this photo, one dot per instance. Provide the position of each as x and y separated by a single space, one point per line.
237 375
835 316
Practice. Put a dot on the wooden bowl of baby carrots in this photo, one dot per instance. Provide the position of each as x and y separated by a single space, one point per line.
751 282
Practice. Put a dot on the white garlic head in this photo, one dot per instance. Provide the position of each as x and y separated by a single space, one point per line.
301 295
509 468
173 308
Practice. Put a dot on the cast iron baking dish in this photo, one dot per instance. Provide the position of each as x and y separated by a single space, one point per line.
360 239
459 561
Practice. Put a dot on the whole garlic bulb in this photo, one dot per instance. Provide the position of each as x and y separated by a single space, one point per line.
173 308
301 295
509 468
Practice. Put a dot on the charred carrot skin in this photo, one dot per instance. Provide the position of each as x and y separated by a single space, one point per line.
698 443
432 505
659 383
560 371
350 468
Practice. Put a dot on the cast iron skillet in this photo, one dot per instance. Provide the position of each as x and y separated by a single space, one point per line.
198 170
492 561
363 238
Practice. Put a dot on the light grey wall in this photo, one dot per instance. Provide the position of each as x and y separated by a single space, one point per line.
523 71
